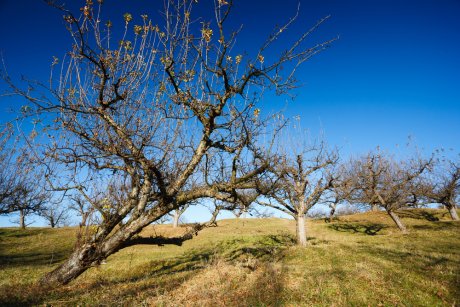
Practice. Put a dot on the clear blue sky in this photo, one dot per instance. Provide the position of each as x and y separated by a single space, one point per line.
394 72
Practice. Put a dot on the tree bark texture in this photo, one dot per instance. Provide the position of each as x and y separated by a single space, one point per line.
92 253
300 233
22 222
79 261
397 221
176 217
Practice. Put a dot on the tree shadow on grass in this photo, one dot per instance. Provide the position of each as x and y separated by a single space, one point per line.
420 262
33 258
157 275
315 241
368 229
441 225
418 214
15 252
264 248
166 274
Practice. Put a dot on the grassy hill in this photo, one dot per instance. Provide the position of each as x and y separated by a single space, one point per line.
358 260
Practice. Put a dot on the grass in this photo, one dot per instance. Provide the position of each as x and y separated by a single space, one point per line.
358 260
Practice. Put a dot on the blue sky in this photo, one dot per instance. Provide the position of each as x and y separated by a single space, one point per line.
393 73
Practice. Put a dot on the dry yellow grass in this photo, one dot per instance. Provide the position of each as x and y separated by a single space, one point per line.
359 260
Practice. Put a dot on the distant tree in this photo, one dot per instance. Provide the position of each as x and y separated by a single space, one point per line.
55 214
22 187
177 213
441 185
28 199
9 181
380 180
146 108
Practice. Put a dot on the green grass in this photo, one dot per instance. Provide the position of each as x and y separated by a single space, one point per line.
359 260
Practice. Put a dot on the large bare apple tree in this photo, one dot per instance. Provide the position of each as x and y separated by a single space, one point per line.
143 110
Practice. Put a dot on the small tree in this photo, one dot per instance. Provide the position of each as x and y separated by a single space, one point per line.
55 214
301 182
28 199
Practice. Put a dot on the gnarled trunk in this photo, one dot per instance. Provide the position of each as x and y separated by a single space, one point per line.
397 221
453 212
81 259
93 252
301 235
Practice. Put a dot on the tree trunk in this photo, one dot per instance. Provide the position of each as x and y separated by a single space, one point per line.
92 253
237 214
300 230
397 221
453 212
22 222
80 260
176 217
331 215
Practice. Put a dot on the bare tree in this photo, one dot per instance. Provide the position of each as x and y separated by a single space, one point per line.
147 111
380 180
55 214
22 188
28 199
301 182
441 185
9 181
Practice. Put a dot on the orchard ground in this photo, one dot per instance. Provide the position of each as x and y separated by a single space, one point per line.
360 259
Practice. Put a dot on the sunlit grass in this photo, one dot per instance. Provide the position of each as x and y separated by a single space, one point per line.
357 260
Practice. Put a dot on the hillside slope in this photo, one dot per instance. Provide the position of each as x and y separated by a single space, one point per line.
358 260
